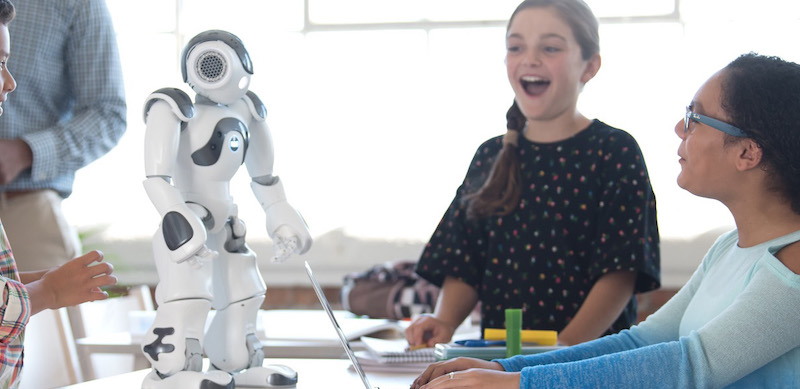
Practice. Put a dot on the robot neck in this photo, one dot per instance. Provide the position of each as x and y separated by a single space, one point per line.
200 99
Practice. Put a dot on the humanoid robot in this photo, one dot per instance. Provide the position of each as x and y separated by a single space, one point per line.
192 150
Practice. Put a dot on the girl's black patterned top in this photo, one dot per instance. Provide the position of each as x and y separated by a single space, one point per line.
587 209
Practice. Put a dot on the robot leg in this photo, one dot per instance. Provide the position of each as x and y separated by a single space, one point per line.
174 344
232 344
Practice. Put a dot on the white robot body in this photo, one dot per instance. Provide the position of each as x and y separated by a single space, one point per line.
187 280
192 151
236 280
208 183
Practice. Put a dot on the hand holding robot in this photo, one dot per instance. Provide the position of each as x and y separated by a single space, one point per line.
192 150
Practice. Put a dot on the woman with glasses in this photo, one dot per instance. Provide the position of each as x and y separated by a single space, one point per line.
735 323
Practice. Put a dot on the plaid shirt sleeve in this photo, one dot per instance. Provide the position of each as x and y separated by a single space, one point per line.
15 311
15 308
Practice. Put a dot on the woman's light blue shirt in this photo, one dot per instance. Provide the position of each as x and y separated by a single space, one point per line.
736 323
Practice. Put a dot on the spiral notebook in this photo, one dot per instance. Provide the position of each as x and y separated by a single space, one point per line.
370 363
390 351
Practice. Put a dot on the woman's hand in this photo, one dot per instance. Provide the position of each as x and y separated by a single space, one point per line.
476 378
429 330
469 371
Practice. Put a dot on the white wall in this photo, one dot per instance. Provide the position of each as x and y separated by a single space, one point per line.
335 254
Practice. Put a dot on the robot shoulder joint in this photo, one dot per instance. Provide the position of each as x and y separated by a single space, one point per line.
177 99
256 107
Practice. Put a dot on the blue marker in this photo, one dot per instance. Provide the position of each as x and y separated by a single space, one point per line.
480 343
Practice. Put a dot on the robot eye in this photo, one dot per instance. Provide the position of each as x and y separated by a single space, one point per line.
211 66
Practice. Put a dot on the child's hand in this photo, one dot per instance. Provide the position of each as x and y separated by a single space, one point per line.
72 283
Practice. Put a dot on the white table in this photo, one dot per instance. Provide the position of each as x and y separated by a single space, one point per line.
283 333
312 374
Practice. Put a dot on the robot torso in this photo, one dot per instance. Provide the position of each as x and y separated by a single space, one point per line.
212 147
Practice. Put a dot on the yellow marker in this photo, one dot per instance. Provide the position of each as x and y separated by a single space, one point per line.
417 347
540 337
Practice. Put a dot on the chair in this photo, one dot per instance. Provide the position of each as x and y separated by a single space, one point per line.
50 354
102 327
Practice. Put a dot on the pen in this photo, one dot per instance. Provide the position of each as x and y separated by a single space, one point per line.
480 343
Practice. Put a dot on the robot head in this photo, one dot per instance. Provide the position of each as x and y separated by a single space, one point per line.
216 65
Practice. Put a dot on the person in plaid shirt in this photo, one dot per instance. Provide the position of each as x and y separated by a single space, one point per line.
27 293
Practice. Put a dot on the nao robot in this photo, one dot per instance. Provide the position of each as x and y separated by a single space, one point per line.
192 150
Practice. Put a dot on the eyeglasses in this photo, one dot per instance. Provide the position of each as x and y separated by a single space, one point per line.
711 122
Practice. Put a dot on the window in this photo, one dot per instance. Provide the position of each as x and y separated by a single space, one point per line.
377 113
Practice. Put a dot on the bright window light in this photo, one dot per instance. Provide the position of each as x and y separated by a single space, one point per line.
375 127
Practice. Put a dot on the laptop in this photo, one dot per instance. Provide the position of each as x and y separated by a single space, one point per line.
342 338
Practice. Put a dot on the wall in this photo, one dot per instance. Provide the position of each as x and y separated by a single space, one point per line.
336 253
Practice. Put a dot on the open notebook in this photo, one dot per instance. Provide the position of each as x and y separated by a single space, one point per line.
327 306
395 351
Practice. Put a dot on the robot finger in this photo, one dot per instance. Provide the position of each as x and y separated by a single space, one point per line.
206 254
202 256
285 247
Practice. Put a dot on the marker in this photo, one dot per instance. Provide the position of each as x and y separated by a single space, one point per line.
513 332
540 337
480 343
417 347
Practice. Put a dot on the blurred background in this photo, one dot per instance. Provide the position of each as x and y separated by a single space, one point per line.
377 107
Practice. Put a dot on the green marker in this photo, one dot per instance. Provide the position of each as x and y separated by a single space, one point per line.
513 332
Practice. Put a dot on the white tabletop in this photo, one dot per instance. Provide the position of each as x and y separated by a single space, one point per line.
312 374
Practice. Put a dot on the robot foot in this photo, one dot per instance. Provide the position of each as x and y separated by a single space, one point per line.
189 380
269 376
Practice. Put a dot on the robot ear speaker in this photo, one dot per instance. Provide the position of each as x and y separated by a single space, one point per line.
211 66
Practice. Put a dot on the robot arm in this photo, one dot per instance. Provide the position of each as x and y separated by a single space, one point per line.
285 226
182 228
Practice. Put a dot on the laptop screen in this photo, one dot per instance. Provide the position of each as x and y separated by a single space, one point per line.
342 338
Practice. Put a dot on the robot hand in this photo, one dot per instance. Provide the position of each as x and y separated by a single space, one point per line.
285 226
235 232
286 243
288 231
204 255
